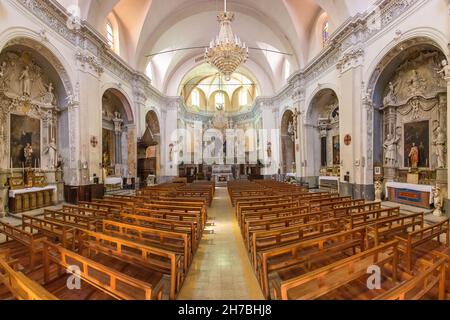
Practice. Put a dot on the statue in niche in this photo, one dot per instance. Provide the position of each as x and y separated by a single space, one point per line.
171 152
391 150
28 155
51 151
25 78
49 96
439 142
414 156
2 74
438 202
269 149
445 71
60 162
291 130
391 97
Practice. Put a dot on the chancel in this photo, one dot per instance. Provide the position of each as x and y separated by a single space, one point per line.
224 150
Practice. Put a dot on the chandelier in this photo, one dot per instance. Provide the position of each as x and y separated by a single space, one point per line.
226 52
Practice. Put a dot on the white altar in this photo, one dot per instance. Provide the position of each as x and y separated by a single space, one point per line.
112 183
329 182
13 193
411 187
222 174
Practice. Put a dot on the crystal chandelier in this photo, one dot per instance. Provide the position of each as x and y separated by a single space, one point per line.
226 52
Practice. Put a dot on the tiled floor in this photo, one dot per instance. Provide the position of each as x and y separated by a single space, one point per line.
221 268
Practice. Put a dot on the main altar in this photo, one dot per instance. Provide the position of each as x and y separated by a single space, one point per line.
222 174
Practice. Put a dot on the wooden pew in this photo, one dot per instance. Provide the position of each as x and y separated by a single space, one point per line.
409 242
305 252
176 242
98 205
112 282
34 243
366 218
265 240
272 210
150 258
72 219
433 278
176 216
387 229
187 227
22 287
323 281
82 210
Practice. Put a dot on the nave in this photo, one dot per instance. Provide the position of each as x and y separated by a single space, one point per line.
186 241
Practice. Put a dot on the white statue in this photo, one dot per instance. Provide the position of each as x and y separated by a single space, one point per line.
26 81
117 121
378 191
445 71
439 142
438 202
171 152
51 151
390 147
391 97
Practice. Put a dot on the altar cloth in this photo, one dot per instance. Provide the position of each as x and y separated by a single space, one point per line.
13 193
411 187
113 181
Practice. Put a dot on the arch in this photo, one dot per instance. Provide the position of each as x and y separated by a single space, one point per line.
317 90
381 72
123 97
32 40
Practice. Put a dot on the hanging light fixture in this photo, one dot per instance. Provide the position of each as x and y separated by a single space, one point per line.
226 52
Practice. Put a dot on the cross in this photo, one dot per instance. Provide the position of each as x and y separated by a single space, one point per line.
94 142
347 140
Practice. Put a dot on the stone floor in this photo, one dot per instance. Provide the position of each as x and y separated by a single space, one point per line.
221 268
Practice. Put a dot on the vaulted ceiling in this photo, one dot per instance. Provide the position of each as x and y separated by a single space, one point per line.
151 26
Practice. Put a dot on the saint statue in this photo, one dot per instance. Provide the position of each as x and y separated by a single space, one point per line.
439 142
391 150
438 202
28 155
269 150
445 71
378 191
414 156
26 81
171 152
291 130
51 151
2 70
390 97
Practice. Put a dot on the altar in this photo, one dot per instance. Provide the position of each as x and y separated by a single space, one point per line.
410 194
222 174
113 183
329 182
21 200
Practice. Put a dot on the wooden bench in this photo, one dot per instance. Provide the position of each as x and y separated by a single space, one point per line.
366 218
322 281
33 242
306 252
112 282
409 242
72 219
387 229
176 242
58 231
141 255
22 287
433 278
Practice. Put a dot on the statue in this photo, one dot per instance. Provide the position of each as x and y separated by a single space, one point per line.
439 142
26 81
269 149
117 121
445 71
60 162
378 191
438 202
291 130
416 83
414 156
51 151
28 155
391 150
171 152
390 98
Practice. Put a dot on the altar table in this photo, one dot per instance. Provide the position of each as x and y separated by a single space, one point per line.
418 195
31 198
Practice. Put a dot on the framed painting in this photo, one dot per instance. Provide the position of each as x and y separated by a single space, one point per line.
336 151
25 135
417 138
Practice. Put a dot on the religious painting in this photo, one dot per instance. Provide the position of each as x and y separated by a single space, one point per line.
323 152
108 147
417 144
25 141
336 150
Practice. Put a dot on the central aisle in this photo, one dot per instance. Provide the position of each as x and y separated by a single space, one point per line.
221 269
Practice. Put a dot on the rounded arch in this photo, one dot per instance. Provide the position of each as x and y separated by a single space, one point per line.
319 90
152 122
123 97
32 40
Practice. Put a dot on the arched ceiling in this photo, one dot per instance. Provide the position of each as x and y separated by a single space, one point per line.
152 26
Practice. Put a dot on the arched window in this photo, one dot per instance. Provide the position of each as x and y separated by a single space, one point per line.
195 98
325 32
220 100
243 97
110 35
